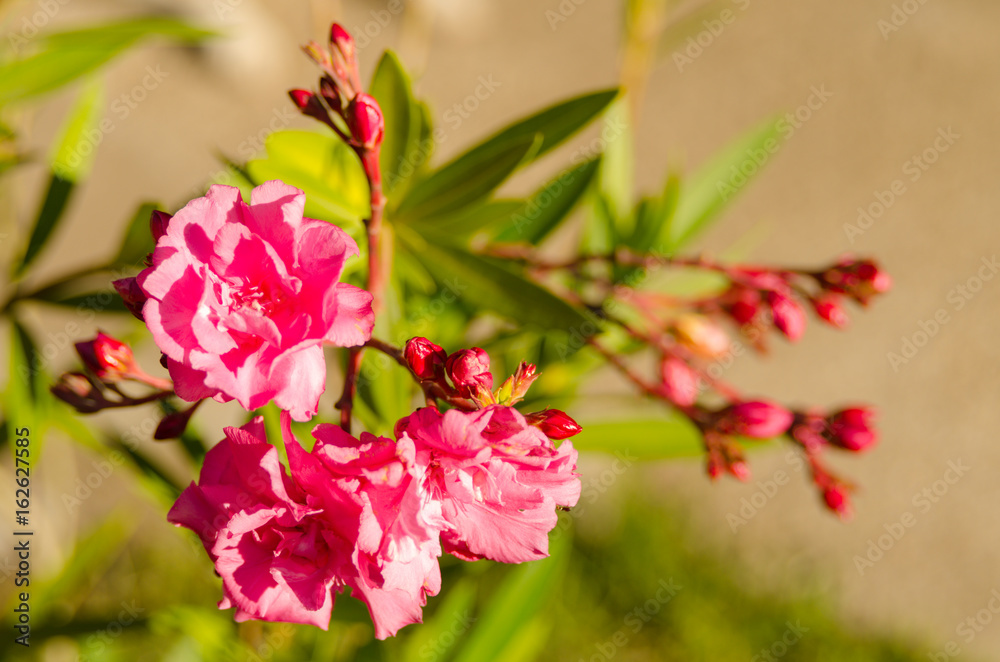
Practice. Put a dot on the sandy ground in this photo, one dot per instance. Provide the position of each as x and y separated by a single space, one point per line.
886 86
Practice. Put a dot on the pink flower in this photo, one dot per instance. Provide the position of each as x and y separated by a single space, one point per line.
352 513
242 298
498 479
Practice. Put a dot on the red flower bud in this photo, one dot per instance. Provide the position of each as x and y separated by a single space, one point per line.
554 424
788 315
341 40
830 310
742 304
757 419
424 358
740 470
76 390
837 499
858 279
301 98
133 296
158 223
108 358
364 117
852 429
680 383
469 370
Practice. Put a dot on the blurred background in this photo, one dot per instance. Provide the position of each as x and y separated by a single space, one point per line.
891 151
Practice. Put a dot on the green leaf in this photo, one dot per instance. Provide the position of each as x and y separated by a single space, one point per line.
555 124
467 221
452 618
617 178
321 165
650 439
467 180
67 56
715 185
138 241
484 283
513 607
399 155
70 164
549 206
19 402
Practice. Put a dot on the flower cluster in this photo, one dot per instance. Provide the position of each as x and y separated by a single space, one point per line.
374 514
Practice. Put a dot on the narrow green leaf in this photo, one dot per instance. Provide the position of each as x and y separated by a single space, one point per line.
715 185
138 241
468 220
513 607
651 439
436 638
391 88
20 396
66 56
555 124
485 284
467 181
600 230
70 164
617 177
321 165
549 206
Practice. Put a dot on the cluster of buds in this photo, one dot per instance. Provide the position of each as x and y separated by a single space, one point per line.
340 103
463 379
107 363
758 297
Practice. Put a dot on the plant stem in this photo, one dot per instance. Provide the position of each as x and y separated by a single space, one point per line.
373 227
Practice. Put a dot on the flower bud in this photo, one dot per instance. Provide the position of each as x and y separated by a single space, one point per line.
702 336
76 390
523 378
757 419
341 40
158 224
173 424
680 383
830 310
852 429
742 304
858 279
364 118
133 296
424 358
788 315
837 499
108 358
554 424
740 470
469 371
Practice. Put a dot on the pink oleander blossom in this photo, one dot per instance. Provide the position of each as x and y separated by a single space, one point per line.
499 480
351 514
242 298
